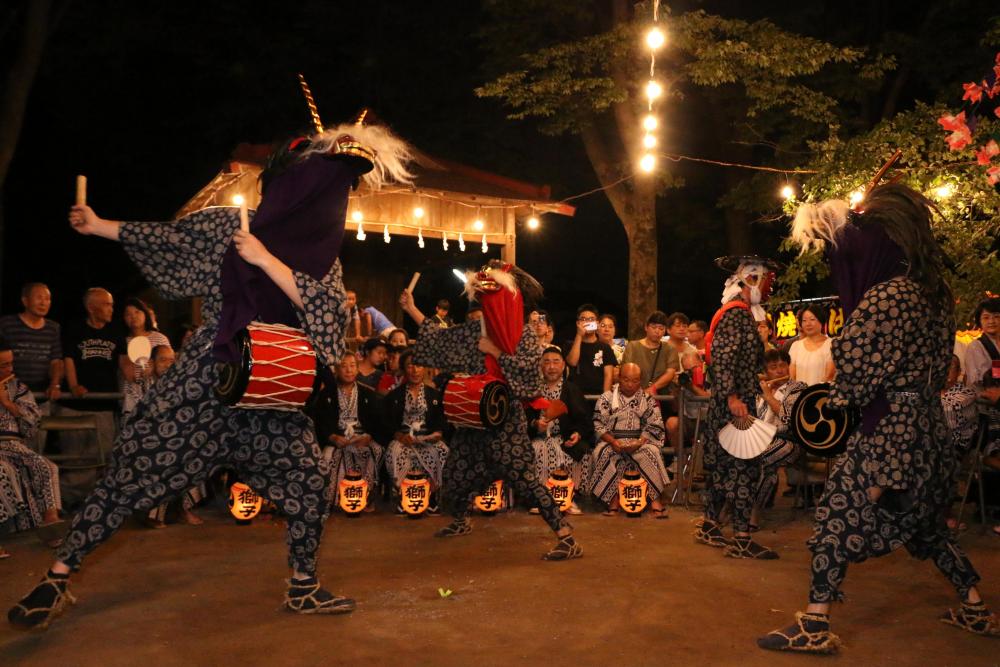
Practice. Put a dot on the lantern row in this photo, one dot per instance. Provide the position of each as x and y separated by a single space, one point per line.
655 39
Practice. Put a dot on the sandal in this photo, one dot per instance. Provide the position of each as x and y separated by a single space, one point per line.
456 528
809 634
660 513
744 547
565 549
305 596
709 533
46 600
974 618
4 553
754 528
609 512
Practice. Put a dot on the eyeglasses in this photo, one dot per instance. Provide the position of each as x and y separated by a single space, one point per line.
586 319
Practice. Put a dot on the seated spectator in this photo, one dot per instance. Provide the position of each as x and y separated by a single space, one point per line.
677 345
29 496
765 329
692 384
606 329
393 376
696 335
416 417
36 341
629 429
441 314
651 356
812 357
563 443
375 323
371 365
161 359
779 394
591 361
348 418
138 377
959 403
398 338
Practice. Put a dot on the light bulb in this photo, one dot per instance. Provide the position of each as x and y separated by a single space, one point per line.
418 212
478 225
385 234
649 141
357 216
788 192
533 222
461 242
238 200
655 38
420 239
653 90
485 247
444 240
649 123
944 191
647 163
857 196
361 232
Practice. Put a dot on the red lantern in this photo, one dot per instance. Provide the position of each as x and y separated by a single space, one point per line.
244 503
415 493
632 493
560 485
352 492
490 501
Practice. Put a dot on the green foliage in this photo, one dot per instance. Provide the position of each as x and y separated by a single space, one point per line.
969 225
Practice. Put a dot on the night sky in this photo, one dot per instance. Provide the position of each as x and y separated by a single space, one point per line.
149 99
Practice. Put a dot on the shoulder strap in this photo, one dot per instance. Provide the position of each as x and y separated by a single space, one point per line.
991 349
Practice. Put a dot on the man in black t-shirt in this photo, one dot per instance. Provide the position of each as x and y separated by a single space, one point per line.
591 362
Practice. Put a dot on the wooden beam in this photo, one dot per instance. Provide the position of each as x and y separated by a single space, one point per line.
509 251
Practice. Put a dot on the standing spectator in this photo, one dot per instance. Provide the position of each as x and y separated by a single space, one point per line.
353 333
606 327
393 375
441 317
137 376
812 360
416 417
91 350
677 344
372 364
766 332
399 339
982 364
564 442
348 418
591 362
542 324
35 340
650 356
474 313
696 335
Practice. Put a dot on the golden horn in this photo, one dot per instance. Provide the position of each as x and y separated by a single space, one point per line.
881 172
360 120
311 103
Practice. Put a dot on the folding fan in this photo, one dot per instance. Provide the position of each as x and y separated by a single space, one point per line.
746 437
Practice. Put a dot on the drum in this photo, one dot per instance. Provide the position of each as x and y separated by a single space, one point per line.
277 372
821 430
476 401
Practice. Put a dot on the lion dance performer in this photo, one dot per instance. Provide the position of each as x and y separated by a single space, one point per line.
505 349
891 486
284 270
735 354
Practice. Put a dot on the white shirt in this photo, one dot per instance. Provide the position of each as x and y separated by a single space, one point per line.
810 366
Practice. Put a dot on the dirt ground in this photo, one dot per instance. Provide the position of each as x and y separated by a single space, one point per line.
644 594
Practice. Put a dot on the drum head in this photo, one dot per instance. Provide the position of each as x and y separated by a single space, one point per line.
495 404
233 378
821 430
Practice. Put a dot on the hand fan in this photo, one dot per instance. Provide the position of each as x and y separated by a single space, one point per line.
746 437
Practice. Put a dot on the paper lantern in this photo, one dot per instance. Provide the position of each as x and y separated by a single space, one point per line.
352 492
490 501
415 493
560 485
632 492
244 503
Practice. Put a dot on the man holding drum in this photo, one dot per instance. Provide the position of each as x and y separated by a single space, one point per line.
282 271
892 486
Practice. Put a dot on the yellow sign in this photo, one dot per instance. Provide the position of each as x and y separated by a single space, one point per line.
244 503
490 501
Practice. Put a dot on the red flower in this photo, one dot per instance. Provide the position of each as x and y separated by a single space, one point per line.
958 140
953 123
973 92
987 153
997 112
993 175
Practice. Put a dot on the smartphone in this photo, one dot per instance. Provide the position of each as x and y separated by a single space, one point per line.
590 326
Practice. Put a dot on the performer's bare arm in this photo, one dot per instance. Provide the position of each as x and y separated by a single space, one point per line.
410 308
253 251
85 221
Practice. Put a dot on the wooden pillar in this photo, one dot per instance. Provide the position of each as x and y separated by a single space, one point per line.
509 250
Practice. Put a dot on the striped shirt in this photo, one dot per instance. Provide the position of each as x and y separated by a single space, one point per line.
33 349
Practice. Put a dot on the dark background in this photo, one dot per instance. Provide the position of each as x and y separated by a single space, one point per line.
149 99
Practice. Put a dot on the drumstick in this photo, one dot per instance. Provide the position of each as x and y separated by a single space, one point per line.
244 216
413 282
81 190
482 326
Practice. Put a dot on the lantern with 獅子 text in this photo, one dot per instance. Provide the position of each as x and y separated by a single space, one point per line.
415 493
244 503
489 502
560 485
632 493
352 492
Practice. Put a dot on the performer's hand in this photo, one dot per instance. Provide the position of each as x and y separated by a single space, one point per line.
542 424
572 440
766 388
251 249
737 407
361 440
78 391
487 346
406 440
339 440
84 220
405 300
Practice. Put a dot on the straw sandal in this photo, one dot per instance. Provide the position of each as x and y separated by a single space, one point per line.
456 528
46 600
709 533
305 596
974 618
744 547
565 549
809 634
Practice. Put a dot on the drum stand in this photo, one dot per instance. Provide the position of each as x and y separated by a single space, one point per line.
976 470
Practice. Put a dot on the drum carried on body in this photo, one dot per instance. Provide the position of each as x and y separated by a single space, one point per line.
277 372
821 430
476 401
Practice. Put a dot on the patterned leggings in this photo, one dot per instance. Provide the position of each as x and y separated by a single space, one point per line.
734 481
478 458
781 453
178 434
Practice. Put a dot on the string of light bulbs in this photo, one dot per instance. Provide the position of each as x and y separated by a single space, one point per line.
655 39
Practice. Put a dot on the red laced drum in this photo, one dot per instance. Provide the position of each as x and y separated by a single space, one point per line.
278 369
476 401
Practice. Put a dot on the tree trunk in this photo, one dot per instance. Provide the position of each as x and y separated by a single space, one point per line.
640 225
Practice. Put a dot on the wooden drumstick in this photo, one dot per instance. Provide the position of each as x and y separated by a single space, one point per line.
413 282
482 326
244 216
81 190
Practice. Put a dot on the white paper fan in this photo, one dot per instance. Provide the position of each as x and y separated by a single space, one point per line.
747 437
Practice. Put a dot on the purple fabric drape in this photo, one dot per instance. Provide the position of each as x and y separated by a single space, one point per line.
301 222
864 257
